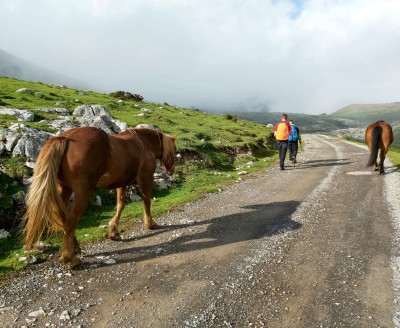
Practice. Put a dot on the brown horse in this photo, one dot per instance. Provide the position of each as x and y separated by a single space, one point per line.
82 159
378 135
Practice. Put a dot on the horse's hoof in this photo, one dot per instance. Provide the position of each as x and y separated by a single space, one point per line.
78 250
74 264
152 226
115 236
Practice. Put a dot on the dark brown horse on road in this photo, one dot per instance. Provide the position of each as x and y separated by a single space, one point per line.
379 135
82 159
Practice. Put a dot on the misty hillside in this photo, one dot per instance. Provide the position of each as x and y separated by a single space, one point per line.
12 66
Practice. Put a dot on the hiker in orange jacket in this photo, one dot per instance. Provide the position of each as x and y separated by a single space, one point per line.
282 130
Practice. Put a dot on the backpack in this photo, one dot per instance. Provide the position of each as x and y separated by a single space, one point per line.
282 131
294 136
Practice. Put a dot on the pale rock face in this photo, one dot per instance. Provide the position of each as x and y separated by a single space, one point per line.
98 116
20 114
21 140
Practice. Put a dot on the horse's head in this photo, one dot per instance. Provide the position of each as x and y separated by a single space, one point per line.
169 151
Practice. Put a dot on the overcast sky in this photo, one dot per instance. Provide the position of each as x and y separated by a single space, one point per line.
311 56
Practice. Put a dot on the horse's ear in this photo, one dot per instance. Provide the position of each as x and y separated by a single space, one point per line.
174 137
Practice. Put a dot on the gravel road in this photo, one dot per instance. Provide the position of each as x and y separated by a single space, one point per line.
315 245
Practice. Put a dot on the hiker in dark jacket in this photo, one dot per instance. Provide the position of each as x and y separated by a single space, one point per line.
293 142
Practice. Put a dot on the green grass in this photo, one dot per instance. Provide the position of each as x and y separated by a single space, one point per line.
214 141
394 155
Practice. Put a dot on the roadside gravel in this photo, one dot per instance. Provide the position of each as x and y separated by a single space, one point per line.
312 246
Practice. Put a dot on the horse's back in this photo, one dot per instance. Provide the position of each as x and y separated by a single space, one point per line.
124 163
86 156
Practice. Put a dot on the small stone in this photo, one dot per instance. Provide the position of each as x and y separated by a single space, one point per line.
4 234
37 313
65 315
110 261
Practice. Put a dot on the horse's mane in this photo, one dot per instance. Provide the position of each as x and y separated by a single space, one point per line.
167 141
168 147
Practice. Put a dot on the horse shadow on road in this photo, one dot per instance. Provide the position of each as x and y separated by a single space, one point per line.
324 162
255 222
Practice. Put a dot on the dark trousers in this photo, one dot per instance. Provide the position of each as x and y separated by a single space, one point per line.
282 148
293 147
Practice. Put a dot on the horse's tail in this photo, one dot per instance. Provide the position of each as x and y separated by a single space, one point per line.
45 207
376 136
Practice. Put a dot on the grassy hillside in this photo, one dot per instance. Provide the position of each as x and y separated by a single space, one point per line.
216 131
214 149
306 123
367 113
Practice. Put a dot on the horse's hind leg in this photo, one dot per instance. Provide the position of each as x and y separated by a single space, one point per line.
113 232
382 156
66 197
70 244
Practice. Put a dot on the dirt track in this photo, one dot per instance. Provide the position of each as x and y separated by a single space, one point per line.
312 246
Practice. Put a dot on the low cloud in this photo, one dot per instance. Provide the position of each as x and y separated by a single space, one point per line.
258 55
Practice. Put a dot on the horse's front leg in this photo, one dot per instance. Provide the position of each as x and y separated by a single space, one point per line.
146 187
113 232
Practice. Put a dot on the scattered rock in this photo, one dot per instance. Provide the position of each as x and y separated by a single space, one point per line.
25 90
20 114
110 261
65 315
97 202
146 126
4 234
58 111
30 259
18 199
37 313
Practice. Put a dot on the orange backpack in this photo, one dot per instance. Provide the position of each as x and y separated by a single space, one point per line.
282 131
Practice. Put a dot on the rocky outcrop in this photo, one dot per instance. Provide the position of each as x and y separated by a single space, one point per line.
20 114
22 140
98 116
19 139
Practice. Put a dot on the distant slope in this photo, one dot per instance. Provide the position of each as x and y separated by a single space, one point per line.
366 113
12 66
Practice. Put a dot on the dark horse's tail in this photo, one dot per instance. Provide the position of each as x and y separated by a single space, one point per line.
45 207
376 136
